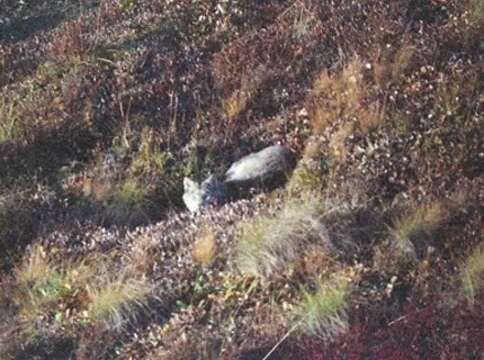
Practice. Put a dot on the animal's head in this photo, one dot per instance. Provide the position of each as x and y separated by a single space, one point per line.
197 195
192 194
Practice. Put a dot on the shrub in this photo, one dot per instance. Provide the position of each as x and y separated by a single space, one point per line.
71 41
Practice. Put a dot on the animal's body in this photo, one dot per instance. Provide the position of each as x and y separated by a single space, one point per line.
260 167
264 168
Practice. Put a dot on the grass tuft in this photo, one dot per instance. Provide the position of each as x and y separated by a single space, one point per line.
9 122
149 158
423 220
310 174
411 233
129 203
267 245
40 284
323 313
115 300
43 285
472 273
476 10
205 248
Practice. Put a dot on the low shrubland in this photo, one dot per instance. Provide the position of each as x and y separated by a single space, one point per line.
372 249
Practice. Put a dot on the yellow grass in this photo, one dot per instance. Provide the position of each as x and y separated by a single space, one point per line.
115 300
205 248
411 231
268 245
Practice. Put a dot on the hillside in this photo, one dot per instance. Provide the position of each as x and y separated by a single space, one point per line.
372 249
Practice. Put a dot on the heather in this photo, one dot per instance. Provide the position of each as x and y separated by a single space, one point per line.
371 249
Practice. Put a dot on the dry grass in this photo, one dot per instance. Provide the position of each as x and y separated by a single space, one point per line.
71 42
310 174
476 10
9 121
422 220
113 301
391 69
337 144
340 101
411 232
269 244
343 97
236 104
97 189
44 287
240 99
337 96
49 293
205 247
149 158
129 203
472 273
142 256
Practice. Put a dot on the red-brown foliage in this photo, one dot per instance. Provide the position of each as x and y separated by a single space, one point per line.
430 332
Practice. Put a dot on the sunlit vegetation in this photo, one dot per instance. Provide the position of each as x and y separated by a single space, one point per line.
373 245
472 274
324 313
267 246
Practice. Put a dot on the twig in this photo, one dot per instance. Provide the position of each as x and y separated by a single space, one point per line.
281 341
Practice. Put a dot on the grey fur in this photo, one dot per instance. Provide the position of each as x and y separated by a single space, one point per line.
260 167
209 192
269 164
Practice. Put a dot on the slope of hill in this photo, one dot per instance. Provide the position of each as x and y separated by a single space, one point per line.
374 247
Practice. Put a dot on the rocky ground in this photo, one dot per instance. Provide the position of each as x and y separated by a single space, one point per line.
372 249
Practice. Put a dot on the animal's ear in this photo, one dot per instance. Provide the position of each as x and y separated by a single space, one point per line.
189 184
